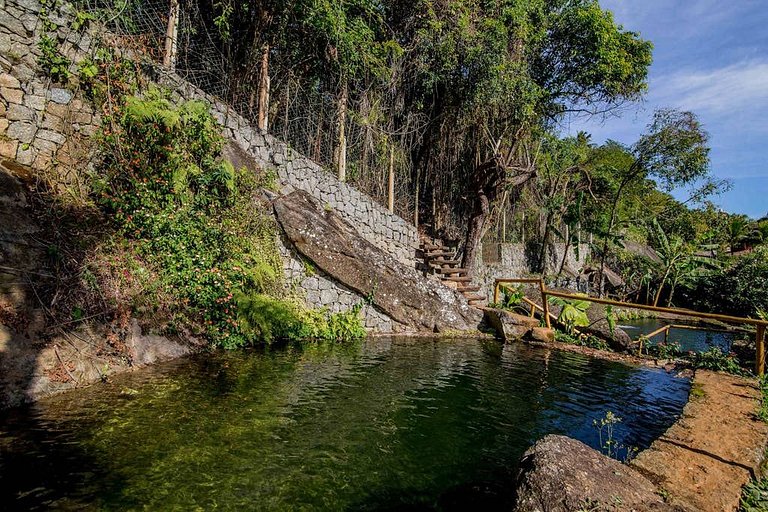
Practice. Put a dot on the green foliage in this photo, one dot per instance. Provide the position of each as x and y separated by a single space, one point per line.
269 318
717 360
611 319
188 214
763 411
605 427
663 350
573 312
740 289
582 340
51 61
754 496
82 20
512 298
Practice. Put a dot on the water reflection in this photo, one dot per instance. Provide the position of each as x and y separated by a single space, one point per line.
383 424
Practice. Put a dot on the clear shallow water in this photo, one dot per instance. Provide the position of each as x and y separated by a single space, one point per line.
387 424
689 340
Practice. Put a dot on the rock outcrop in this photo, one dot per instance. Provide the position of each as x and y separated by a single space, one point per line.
560 474
510 326
400 292
617 338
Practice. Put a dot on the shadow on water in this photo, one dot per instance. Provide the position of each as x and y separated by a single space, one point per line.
388 424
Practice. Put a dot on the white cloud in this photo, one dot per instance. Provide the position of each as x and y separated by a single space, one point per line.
733 90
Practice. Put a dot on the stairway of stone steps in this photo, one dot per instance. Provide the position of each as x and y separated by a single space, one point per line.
441 259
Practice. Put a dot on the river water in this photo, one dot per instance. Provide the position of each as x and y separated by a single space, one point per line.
384 424
689 340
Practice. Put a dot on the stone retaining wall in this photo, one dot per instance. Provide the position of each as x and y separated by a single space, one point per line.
511 261
49 127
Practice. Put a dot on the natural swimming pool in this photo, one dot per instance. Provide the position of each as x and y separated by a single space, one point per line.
385 424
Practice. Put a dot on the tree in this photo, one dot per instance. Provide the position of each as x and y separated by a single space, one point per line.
673 151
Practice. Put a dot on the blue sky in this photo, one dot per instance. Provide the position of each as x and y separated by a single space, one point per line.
710 57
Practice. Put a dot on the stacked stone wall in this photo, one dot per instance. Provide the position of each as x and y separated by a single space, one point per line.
49 127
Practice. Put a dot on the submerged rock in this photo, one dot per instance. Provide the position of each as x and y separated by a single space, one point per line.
400 292
560 474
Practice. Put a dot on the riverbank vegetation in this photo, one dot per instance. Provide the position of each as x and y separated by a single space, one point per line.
453 112
167 231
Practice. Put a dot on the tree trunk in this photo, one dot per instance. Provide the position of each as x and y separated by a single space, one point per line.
171 36
661 286
263 119
608 236
481 209
542 264
672 292
565 249
341 149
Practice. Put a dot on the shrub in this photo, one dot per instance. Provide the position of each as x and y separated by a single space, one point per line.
190 216
717 360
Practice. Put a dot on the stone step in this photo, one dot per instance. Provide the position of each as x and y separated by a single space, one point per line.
468 288
439 254
439 263
458 279
430 247
472 297
476 303
451 271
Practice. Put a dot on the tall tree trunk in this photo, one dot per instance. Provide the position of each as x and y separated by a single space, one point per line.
542 264
565 249
480 211
672 292
341 148
661 285
263 119
172 36
608 234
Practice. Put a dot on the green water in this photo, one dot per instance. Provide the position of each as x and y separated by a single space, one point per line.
386 424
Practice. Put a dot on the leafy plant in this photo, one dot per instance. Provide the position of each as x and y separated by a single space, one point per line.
81 21
582 340
605 429
754 496
573 312
611 319
664 350
717 360
52 62
270 318
189 216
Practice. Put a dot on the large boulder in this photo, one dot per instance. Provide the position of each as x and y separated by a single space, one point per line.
560 474
617 338
401 292
509 326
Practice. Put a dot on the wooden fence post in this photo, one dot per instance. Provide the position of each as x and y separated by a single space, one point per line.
545 304
760 349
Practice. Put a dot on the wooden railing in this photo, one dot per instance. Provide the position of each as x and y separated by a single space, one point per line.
760 325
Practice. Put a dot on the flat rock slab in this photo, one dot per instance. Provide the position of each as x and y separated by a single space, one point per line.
705 458
560 474
402 293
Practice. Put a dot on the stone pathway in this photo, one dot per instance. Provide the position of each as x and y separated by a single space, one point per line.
718 444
